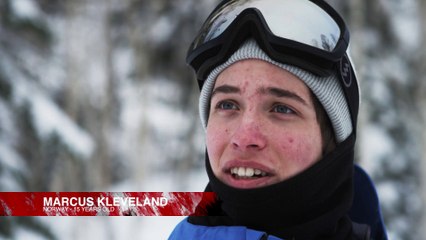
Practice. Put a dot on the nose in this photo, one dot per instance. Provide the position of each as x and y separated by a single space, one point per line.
249 135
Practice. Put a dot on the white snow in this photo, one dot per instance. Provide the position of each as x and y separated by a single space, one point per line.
7 127
375 144
194 181
49 119
405 22
393 68
147 106
24 233
388 190
24 8
10 159
161 114
168 121
162 29
9 183
132 111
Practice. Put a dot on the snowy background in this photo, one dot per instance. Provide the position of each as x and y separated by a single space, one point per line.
95 96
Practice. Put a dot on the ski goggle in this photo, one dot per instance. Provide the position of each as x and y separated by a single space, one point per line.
306 33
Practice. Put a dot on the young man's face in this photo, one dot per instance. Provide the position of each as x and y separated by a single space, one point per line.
262 127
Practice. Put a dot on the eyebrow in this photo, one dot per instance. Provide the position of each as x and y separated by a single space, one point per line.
277 92
225 89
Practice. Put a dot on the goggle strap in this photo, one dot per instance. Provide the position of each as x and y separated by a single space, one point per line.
350 87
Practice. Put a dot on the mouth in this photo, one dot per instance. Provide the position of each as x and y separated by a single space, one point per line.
247 173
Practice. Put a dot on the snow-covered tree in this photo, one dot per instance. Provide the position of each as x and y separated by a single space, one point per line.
95 96
386 44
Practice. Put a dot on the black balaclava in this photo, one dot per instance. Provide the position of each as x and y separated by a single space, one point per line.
311 205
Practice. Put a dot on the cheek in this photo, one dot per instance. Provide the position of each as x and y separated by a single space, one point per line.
300 150
214 138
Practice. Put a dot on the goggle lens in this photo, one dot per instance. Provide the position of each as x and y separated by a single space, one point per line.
300 21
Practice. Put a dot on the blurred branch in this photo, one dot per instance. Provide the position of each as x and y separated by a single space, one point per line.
421 97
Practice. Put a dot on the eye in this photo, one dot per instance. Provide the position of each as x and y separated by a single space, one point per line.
227 105
282 109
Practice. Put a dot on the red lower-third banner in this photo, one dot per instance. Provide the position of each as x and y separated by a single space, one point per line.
104 203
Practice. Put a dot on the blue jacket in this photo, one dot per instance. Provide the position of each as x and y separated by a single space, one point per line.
187 231
365 210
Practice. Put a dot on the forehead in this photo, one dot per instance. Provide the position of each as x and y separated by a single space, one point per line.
253 73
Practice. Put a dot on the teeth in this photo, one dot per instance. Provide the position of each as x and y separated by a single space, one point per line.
247 172
241 172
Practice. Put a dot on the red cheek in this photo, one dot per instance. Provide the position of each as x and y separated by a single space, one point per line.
293 148
288 144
